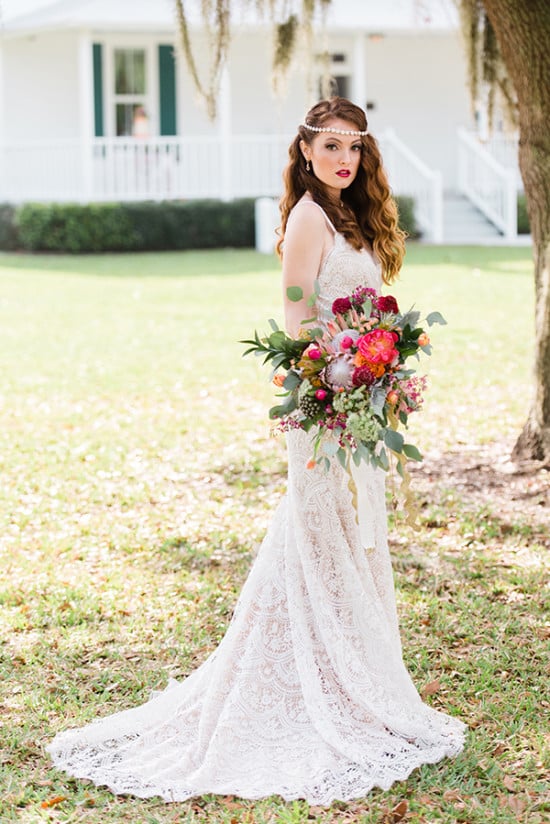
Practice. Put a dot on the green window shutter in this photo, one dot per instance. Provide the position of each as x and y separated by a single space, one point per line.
98 88
167 90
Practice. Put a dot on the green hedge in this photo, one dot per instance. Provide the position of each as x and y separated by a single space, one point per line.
122 227
407 219
523 219
9 239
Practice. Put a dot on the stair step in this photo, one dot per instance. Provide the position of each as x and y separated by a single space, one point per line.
463 223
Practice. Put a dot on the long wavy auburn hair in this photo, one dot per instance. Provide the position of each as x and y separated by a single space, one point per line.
368 213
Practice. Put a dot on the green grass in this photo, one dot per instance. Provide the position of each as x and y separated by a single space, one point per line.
138 476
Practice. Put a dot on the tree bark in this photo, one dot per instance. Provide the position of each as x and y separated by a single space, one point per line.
522 30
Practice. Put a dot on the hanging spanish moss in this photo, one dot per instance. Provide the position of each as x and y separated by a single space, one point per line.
293 24
486 70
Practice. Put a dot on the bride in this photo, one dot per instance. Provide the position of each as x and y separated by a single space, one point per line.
307 695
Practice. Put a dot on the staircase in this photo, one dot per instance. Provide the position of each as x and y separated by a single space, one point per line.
464 224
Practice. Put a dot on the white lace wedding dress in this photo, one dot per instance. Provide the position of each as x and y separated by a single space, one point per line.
307 695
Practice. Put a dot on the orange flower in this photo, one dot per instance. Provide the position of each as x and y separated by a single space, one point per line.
311 464
423 339
278 380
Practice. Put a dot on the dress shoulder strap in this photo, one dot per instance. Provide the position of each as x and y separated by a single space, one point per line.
313 203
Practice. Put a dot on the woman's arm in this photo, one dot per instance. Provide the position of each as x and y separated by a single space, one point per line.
305 239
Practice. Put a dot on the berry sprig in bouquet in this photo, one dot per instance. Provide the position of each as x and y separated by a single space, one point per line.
347 379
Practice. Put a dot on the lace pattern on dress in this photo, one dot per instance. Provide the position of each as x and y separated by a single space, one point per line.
307 695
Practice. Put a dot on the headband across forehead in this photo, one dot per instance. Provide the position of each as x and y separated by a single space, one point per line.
354 132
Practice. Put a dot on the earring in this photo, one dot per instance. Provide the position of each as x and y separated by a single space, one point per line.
308 166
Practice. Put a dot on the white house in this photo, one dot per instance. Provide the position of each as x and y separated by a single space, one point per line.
96 104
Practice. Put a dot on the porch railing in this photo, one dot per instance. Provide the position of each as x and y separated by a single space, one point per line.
504 148
103 169
488 184
409 175
133 169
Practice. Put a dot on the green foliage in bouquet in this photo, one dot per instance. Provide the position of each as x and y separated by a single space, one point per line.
346 379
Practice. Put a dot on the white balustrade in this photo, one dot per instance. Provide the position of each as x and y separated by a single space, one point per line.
188 168
488 184
408 175
134 169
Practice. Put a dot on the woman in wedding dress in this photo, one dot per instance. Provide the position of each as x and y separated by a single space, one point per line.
307 695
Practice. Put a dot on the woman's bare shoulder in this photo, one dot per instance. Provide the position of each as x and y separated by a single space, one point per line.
307 215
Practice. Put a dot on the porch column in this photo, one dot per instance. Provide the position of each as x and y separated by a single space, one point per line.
224 134
359 71
85 114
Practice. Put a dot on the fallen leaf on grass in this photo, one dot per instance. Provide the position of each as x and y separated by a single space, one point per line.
52 802
396 814
513 802
451 795
510 783
431 688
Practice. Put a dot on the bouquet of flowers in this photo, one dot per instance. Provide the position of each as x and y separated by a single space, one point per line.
347 379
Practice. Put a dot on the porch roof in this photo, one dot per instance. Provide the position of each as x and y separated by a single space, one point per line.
404 16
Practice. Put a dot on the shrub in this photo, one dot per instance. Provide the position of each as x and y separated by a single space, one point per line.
523 218
108 227
407 219
9 236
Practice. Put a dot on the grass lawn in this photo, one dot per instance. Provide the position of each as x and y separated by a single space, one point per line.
138 476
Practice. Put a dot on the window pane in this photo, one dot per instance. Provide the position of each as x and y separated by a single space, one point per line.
129 71
125 118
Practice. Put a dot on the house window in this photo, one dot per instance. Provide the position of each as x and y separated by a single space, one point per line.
131 95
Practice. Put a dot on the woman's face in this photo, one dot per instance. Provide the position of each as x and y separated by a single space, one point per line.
334 158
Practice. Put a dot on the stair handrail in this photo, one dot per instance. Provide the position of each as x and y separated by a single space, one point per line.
489 185
427 189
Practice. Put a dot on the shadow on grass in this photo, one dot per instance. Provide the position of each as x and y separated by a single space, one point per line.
145 264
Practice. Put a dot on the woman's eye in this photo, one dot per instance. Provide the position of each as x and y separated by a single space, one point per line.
356 148
331 146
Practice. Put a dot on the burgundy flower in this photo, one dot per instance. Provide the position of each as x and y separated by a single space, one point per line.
341 306
362 376
361 294
387 303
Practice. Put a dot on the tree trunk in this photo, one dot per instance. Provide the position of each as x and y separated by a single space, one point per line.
522 30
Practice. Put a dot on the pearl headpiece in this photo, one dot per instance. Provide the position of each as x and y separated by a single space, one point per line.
354 132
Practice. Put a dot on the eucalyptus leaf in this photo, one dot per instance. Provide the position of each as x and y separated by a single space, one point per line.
394 440
273 325
316 333
411 318
330 447
367 307
341 455
435 317
383 459
295 293
412 452
292 380
378 399
277 338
